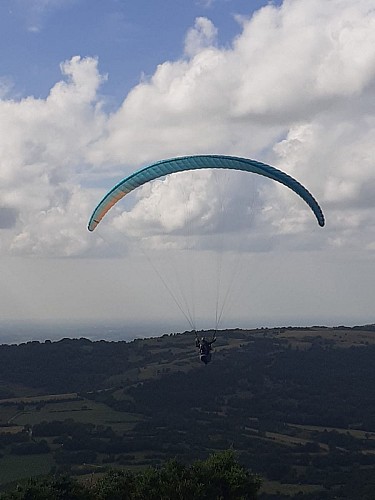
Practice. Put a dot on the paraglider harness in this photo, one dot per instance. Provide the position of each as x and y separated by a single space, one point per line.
205 348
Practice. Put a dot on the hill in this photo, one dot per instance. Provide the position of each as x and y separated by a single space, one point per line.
295 404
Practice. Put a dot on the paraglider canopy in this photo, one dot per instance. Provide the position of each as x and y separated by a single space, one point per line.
197 162
181 285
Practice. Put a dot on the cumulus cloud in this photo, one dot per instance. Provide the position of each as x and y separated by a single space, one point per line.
296 89
200 37
277 73
42 149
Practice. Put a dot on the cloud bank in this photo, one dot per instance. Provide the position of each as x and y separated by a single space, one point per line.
295 89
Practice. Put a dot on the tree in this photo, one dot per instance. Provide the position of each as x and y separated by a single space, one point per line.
223 477
219 477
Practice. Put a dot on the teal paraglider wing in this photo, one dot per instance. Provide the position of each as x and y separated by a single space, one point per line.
197 162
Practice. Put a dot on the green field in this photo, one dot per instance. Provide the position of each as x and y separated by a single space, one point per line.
16 467
84 410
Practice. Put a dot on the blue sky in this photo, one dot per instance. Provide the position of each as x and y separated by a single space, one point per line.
130 38
91 90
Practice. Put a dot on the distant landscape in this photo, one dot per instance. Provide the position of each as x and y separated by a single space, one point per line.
296 405
18 332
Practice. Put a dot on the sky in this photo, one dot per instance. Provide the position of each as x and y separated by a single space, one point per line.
91 91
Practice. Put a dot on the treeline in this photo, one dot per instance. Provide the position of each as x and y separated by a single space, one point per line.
220 477
69 365
74 365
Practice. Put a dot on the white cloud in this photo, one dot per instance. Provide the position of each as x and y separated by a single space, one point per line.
200 37
42 148
296 89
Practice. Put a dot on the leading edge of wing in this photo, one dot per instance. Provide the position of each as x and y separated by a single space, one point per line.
197 162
